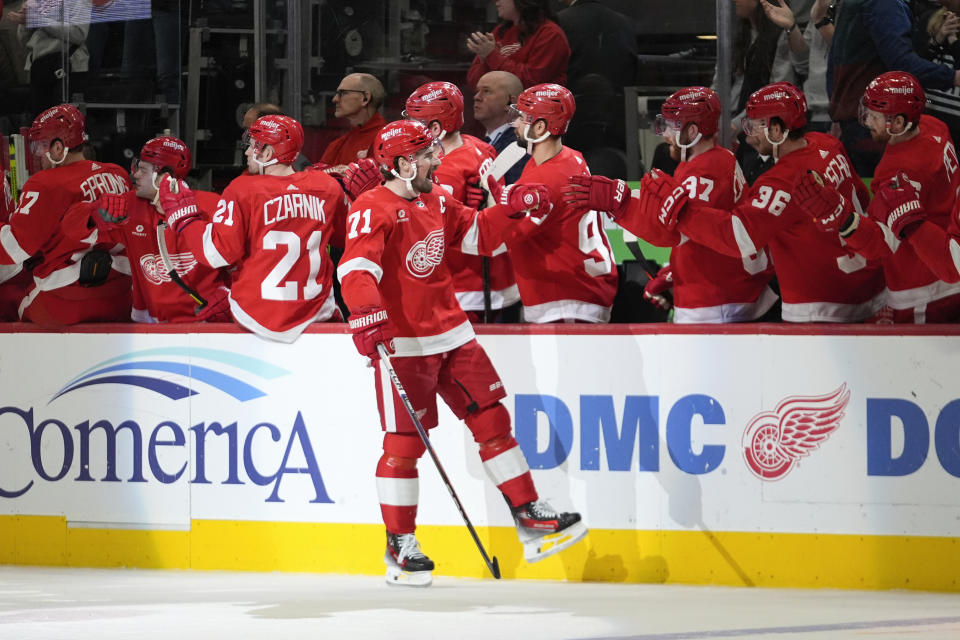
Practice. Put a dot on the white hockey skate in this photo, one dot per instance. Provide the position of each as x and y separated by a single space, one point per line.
545 532
407 565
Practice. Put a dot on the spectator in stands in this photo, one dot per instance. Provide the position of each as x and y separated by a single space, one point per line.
528 43
817 36
935 38
602 41
870 37
357 99
496 91
45 37
155 41
765 49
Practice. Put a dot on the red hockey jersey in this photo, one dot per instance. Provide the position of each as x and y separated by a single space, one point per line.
458 166
395 258
35 227
930 161
820 279
274 230
156 297
564 267
709 286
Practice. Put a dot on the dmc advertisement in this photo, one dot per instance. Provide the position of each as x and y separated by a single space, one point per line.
780 434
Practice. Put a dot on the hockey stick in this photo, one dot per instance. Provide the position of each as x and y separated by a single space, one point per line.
492 565
645 263
168 263
172 271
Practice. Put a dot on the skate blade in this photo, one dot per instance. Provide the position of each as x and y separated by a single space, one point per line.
397 577
544 547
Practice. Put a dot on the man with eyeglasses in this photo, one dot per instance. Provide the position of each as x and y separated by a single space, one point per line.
357 99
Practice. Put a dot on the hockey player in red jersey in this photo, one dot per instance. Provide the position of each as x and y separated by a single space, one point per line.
565 269
273 226
708 286
399 290
821 280
919 169
73 280
439 105
132 219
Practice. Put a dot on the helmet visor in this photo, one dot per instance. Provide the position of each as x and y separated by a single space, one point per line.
665 126
516 114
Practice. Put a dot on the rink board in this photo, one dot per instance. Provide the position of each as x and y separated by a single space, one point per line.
761 455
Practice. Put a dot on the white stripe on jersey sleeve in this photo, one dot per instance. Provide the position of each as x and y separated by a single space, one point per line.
744 241
122 264
955 254
398 492
210 251
893 243
471 240
11 246
360 264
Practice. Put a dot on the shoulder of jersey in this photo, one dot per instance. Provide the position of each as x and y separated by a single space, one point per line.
478 144
313 179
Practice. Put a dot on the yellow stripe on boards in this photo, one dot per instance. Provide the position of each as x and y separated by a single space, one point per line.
679 557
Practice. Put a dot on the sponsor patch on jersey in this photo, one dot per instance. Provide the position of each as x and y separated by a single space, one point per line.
140 231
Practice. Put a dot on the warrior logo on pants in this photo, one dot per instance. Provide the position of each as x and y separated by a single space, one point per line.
425 255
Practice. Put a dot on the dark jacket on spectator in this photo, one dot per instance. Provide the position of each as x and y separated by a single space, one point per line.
871 37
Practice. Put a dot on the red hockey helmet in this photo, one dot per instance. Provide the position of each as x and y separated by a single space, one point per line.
778 100
283 133
63 122
401 139
440 101
693 105
169 152
895 93
549 102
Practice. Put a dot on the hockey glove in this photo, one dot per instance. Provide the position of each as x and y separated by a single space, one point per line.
217 308
584 193
898 204
361 176
370 327
520 199
474 196
657 291
830 210
665 195
111 211
178 204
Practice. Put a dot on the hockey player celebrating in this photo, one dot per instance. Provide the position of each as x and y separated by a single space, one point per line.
273 225
821 280
398 287
439 105
73 280
708 286
564 269
916 181
197 293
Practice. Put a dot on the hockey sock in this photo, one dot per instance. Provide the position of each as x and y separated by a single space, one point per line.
398 488
506 465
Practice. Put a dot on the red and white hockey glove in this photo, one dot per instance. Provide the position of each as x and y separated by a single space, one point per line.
111 211
370 327
217 308
897 202
583 193
830 210
178 203
520 199
361 176
657 291
665 195
474 196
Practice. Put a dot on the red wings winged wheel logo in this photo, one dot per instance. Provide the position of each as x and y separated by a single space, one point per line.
774 441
